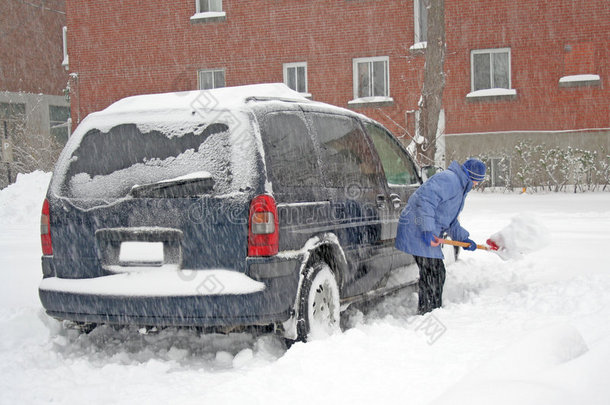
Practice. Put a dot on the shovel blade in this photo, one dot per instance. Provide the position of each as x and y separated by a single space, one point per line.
493 245
498 249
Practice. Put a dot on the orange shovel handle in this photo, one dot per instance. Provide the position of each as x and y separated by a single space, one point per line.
461 244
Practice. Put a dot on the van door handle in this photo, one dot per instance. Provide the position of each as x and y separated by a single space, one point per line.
396 201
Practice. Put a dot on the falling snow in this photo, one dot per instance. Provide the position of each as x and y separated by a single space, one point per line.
529 331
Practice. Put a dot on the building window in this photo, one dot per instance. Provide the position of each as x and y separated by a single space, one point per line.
59 121
211 79
206 6
208 11
295 76
12 111
420 14
579 66
371 77
12 128
490 69
498 171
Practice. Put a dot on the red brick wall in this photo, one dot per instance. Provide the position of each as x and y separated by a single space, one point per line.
31 46
133 47
129 47
537 33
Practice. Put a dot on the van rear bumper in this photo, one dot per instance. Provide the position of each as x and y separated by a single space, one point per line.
209 299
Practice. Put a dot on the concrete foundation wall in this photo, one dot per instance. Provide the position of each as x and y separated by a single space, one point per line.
27 143
460 146
503 144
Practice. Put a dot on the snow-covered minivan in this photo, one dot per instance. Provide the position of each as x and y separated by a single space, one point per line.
224 208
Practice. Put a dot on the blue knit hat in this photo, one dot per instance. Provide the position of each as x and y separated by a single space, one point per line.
475 169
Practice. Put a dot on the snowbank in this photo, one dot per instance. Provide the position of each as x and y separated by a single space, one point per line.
524 234
532 370
21 202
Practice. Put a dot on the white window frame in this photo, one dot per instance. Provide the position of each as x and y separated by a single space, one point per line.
357 61
201 15
60 124
491 68
210 4
201 71
66 61
296 65
419 38
494 173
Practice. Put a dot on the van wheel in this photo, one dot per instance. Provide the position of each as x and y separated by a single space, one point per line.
318 303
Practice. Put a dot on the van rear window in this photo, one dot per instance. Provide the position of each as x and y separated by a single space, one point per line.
109 164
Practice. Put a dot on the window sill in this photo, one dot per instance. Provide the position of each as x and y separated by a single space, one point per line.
419 47
371 102
492 95
211 16
580 81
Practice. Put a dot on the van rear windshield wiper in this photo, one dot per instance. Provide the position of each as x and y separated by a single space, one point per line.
191 185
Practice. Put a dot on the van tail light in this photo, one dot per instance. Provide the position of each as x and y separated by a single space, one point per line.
263 229
45 229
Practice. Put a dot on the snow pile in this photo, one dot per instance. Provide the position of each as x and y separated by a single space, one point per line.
541 368
170 348
20 209
21 202
523 235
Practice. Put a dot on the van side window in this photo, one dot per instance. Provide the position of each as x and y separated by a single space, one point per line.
397 165
345 154
291 157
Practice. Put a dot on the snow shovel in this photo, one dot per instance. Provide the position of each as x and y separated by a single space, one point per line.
490 247
523 235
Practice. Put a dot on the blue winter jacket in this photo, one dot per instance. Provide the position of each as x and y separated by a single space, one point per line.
434 207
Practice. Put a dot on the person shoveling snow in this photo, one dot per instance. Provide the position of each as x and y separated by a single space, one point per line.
433 211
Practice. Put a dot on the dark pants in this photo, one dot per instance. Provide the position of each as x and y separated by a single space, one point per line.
431 281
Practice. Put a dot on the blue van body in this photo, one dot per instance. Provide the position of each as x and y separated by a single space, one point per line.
152 209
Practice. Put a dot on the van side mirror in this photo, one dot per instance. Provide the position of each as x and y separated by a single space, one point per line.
429 171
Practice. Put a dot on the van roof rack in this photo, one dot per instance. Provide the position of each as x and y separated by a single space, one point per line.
271 98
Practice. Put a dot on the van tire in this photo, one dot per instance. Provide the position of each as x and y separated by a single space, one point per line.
318 312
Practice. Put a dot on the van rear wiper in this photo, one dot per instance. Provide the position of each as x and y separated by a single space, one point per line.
191 185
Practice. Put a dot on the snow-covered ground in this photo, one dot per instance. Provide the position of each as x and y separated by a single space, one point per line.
529 331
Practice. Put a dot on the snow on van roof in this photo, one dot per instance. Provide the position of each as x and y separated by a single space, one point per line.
179 113
204 99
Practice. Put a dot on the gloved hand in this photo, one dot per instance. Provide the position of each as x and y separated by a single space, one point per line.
430 239
473 245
